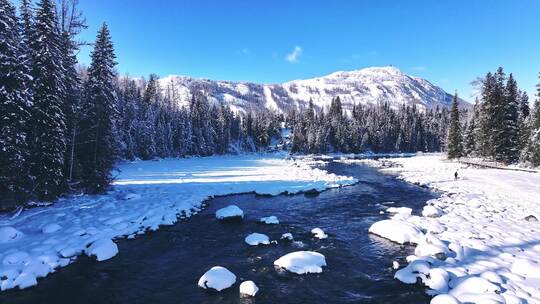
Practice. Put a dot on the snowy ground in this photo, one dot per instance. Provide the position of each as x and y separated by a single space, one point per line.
479 242
146 195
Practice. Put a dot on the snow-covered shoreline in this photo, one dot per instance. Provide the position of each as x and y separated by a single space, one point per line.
478 242
146 195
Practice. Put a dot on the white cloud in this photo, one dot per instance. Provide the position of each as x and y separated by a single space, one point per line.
293 56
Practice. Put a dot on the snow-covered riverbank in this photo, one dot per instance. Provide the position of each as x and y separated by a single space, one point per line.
479 242
146 194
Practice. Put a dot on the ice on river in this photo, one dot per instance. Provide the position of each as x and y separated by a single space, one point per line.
302 262
270 220
475 243
145 196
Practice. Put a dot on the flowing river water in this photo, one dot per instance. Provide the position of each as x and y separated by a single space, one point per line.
164 266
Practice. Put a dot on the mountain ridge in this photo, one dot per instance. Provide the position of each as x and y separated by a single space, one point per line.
370 85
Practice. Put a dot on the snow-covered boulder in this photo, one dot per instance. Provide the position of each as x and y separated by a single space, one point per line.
444 299
399 210
102 249
51 228
431 211
395 265
217 278
432 246
319 233
255 239
416 269
269 220
302 262
230 212
397 231
248 288
287 236
8 233
25 280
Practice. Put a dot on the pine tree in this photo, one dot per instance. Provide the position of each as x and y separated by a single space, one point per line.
97 146
455 148
523 122
508 138
15 103
48 118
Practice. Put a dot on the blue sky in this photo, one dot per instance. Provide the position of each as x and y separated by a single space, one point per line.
449 43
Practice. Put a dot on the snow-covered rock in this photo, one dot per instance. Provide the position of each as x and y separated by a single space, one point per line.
217 278
248 288
526 268
255 239
399 210
302 262
51 228
319 233
417 269
230 212
444 299
287 236
8 233
473 286
395 264
397 231
269 220
103 249
431 211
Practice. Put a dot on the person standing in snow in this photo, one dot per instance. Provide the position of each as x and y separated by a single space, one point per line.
455 175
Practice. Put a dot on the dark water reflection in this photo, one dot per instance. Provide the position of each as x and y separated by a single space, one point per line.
164 266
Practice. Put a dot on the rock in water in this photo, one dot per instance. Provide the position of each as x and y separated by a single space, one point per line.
255 239
248 288
217 278
230 213
302 262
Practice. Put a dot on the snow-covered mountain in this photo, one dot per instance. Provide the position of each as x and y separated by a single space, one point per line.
365 86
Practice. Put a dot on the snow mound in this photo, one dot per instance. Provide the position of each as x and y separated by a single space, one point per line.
217 278
270 220
9 234
248 288
473 286
230 212
302 262
319 233
396 231
51 228
15 258
399 210
416 269
255 239
444 299
526 268
103 249
431 211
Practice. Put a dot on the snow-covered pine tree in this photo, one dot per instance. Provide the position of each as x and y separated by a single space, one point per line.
469 138
48 118
15 103
96 152
523 121
455 148
509 136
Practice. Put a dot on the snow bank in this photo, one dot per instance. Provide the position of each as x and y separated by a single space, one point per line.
478 245
248 288
217 278
269 220
145 196
319 233
397 231
302 262
230 212
255 239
